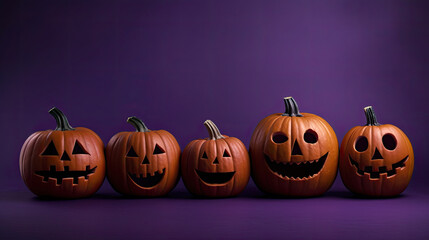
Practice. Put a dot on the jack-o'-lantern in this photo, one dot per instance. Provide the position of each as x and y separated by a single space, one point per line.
376 160
144 162
217 166
64 163
293 153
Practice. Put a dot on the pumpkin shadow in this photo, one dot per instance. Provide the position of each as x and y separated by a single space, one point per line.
52 199
189 196
56 199
118 196
262 195
181 195
174 195
350 195
330 194
255 193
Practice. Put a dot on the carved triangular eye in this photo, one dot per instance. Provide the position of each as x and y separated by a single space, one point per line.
50 150
78 149
132 153
226 154
158 150
204 156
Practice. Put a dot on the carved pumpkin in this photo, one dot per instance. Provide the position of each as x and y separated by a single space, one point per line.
217 166
64 163
144 162
293 153
376 160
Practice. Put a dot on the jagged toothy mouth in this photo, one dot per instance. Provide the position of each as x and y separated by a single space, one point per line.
148 181
381 170
296 170
59 175
215 178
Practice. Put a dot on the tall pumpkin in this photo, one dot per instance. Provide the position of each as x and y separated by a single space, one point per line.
144 162
293 153
64 163
376 160
217 166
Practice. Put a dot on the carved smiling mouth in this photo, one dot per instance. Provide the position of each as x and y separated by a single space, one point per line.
300 170
148 181
214 178
59 175
381 170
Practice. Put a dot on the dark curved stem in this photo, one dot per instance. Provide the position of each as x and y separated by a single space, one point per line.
291 106
371 119
62 122
138 124
214 132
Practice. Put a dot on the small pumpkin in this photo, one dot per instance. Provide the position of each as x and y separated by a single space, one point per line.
217 166
293 153
144 162
64 163
376 160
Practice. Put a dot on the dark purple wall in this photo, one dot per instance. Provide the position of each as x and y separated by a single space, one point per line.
176 64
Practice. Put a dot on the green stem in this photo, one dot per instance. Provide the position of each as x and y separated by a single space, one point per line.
214 132
62 122
138 124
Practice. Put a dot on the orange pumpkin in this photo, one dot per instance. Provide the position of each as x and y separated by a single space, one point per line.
64 163
293 153
217 166
144 162
376 160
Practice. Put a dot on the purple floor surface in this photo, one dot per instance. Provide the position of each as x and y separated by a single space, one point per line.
252 215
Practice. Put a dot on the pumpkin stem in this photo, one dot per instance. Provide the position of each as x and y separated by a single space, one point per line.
291 106
138 124
214 132
62 122
371 119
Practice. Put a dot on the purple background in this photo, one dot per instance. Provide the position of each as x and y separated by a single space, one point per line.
177 63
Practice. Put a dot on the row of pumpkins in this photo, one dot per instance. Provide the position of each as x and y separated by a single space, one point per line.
292 154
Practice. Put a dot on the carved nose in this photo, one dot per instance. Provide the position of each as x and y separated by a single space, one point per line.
296 150
376 155
215 161
145 160
65 157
